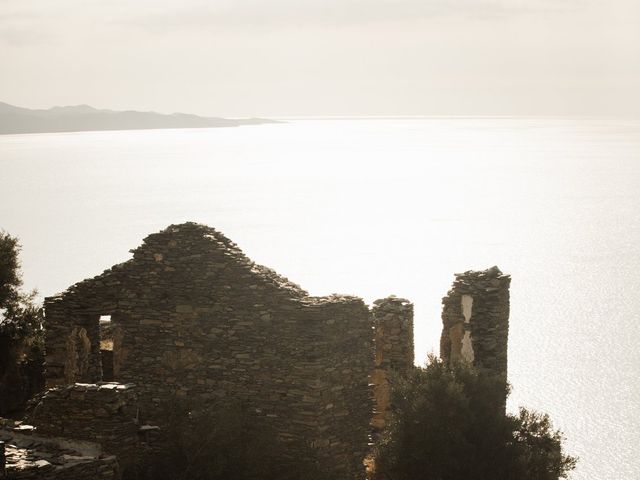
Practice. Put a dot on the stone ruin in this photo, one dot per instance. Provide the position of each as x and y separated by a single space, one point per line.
191 317
393 326
475 317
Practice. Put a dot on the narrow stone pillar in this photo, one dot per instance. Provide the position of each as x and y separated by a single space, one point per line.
393 323
57 329
475 319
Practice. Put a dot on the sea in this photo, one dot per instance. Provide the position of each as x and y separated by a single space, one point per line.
381 206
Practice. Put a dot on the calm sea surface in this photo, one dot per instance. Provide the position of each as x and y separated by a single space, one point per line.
379 207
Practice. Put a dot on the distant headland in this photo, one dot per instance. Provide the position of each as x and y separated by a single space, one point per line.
82 118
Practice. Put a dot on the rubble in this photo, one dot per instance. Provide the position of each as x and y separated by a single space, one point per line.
44 458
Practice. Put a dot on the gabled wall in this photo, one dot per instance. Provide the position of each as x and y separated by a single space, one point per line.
196 319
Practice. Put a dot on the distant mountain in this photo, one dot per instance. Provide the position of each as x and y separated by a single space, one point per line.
81 118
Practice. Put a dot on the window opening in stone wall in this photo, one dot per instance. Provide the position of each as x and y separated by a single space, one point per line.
76 367
106 347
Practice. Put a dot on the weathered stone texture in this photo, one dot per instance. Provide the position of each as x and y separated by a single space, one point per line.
393 322
104 413
196 319
475 318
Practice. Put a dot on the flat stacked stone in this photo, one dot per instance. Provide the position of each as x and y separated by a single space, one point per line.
193 318
104 413
394 350
475 319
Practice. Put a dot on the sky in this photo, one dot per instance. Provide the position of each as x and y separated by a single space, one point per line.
287 58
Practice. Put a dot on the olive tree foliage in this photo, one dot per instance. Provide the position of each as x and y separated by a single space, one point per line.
21 333
540 447
450 424
20 316
10 281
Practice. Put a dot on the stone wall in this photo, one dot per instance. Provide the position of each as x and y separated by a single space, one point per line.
393 322
475 318
194 319
104 413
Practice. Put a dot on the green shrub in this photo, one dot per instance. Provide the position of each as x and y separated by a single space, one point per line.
449 424
539 447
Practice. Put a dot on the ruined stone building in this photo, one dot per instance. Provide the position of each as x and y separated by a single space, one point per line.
191 317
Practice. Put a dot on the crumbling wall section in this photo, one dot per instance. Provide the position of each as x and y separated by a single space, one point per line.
475 319
394 351
72 331
104 413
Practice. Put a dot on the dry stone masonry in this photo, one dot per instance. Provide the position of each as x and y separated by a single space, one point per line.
393 323
105 413
192 317
475 319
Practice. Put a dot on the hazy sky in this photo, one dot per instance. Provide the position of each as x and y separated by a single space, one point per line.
324 57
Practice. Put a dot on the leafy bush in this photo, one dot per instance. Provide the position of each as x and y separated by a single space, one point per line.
540 447
449 424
